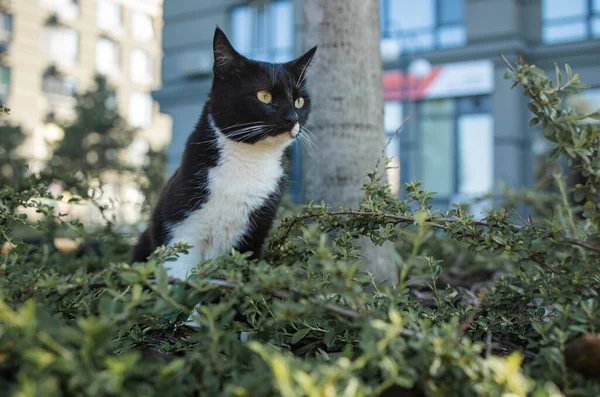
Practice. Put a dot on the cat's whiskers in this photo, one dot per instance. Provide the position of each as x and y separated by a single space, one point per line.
308 133
266 133
262 136
212 142
230 131
305 71
273 74
306 129
252 123
304 144
307 142
250 132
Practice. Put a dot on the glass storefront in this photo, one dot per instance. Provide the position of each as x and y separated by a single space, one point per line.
454 148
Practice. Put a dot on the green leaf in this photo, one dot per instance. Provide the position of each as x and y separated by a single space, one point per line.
569 72
499 240
558 75
517 289
579 195
537 72
162 278
329 338
297 337
595 115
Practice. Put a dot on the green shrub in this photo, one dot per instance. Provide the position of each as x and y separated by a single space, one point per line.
87 322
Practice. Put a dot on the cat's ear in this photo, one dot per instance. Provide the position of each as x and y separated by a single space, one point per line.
300 65
227 60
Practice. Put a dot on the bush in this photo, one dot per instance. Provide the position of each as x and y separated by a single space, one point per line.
503 306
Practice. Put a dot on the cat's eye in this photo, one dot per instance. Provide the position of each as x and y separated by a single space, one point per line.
264 96
299 103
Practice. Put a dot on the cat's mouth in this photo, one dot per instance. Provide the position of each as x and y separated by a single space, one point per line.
286 132
285 137
295 131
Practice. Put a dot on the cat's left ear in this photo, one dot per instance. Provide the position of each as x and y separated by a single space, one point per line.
299 65
227 60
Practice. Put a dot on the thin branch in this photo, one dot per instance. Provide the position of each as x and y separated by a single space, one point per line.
216 283
521 218
582 244
437 223
349 313
533 96
390 141
527 87
467 324
540 262
287 295
488 344
510 66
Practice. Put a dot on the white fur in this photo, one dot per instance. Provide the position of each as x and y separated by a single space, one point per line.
241 182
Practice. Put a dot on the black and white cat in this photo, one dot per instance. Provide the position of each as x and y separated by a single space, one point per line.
229 184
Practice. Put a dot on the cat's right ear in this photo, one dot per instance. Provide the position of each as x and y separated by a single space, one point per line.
302 63
228 62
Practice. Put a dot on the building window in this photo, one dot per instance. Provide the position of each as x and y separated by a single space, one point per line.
140 110
140 67
141 27
61 44
585 102
264 32
109 15
568 21
392 120
411 26
456 150
5 30
55 84
107 57
592 95
66 9
4 83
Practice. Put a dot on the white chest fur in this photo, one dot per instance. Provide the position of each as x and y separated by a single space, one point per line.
241 182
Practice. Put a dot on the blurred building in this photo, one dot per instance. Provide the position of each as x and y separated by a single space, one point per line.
468 130
53 48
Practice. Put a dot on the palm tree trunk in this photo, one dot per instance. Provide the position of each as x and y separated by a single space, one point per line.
347 114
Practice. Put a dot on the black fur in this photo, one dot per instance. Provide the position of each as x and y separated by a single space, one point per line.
232 102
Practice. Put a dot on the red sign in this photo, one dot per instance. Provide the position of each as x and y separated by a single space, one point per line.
443 81
404 86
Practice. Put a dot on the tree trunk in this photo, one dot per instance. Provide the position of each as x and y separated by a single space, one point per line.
347 113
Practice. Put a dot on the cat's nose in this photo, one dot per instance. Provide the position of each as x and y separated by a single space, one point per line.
290 116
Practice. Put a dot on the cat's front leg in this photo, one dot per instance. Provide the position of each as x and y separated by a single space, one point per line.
181 269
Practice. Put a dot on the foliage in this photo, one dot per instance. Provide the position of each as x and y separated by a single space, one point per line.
90 323
95 139
12 165
151 177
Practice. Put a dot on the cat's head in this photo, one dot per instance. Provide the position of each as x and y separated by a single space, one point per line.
255 101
